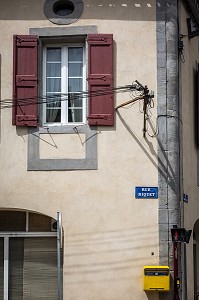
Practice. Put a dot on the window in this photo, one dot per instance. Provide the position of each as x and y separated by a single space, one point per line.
64 82
28 257
64 74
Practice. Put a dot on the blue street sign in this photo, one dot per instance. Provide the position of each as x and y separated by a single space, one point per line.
185 198
142 192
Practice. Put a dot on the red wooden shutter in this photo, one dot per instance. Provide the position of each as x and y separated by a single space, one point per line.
100 79
25 80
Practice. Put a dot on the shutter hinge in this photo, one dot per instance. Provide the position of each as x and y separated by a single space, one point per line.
26 118
19 79
104 117
97 78
98 39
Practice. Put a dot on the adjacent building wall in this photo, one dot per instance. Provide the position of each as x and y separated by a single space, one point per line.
189 94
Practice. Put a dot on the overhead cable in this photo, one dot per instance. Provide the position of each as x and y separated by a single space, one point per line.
9 103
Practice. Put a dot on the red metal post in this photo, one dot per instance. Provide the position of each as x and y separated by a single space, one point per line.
175 256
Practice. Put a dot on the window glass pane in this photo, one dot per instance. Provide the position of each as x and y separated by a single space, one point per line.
39 222
53 100
74 115
53 85
53 108
74 85
54 54
12 221
16 257
75 54
1 267
74 100
75 69
53 115
53 70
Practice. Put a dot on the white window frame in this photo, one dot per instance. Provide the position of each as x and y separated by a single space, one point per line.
64 86
15 234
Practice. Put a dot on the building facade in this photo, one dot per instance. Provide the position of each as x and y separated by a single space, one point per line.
68 146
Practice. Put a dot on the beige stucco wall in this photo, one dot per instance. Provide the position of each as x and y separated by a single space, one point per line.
109 235
189 83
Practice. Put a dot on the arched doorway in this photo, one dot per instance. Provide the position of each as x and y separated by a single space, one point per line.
28 256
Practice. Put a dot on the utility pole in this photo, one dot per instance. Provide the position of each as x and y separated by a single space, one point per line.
176 279
185 271
146 96
146 101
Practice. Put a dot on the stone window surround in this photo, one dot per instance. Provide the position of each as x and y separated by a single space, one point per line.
90 160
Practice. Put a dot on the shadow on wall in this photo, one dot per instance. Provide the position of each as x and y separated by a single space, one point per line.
195 104
152 295
109 256
163 166
196 230
137 10
0 98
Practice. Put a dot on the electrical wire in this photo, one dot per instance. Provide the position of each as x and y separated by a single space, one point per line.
8 103
156 133
151 125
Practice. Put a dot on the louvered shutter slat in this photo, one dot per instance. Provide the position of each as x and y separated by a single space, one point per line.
25 80
40 269
100 79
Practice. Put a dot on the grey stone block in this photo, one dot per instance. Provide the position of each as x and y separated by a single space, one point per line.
163 216
63 31
163 233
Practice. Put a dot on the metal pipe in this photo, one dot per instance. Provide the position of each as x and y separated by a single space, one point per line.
185 271
6 267
130 101
175 257
58 253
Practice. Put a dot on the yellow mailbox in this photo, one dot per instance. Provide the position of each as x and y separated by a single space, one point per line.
156 278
